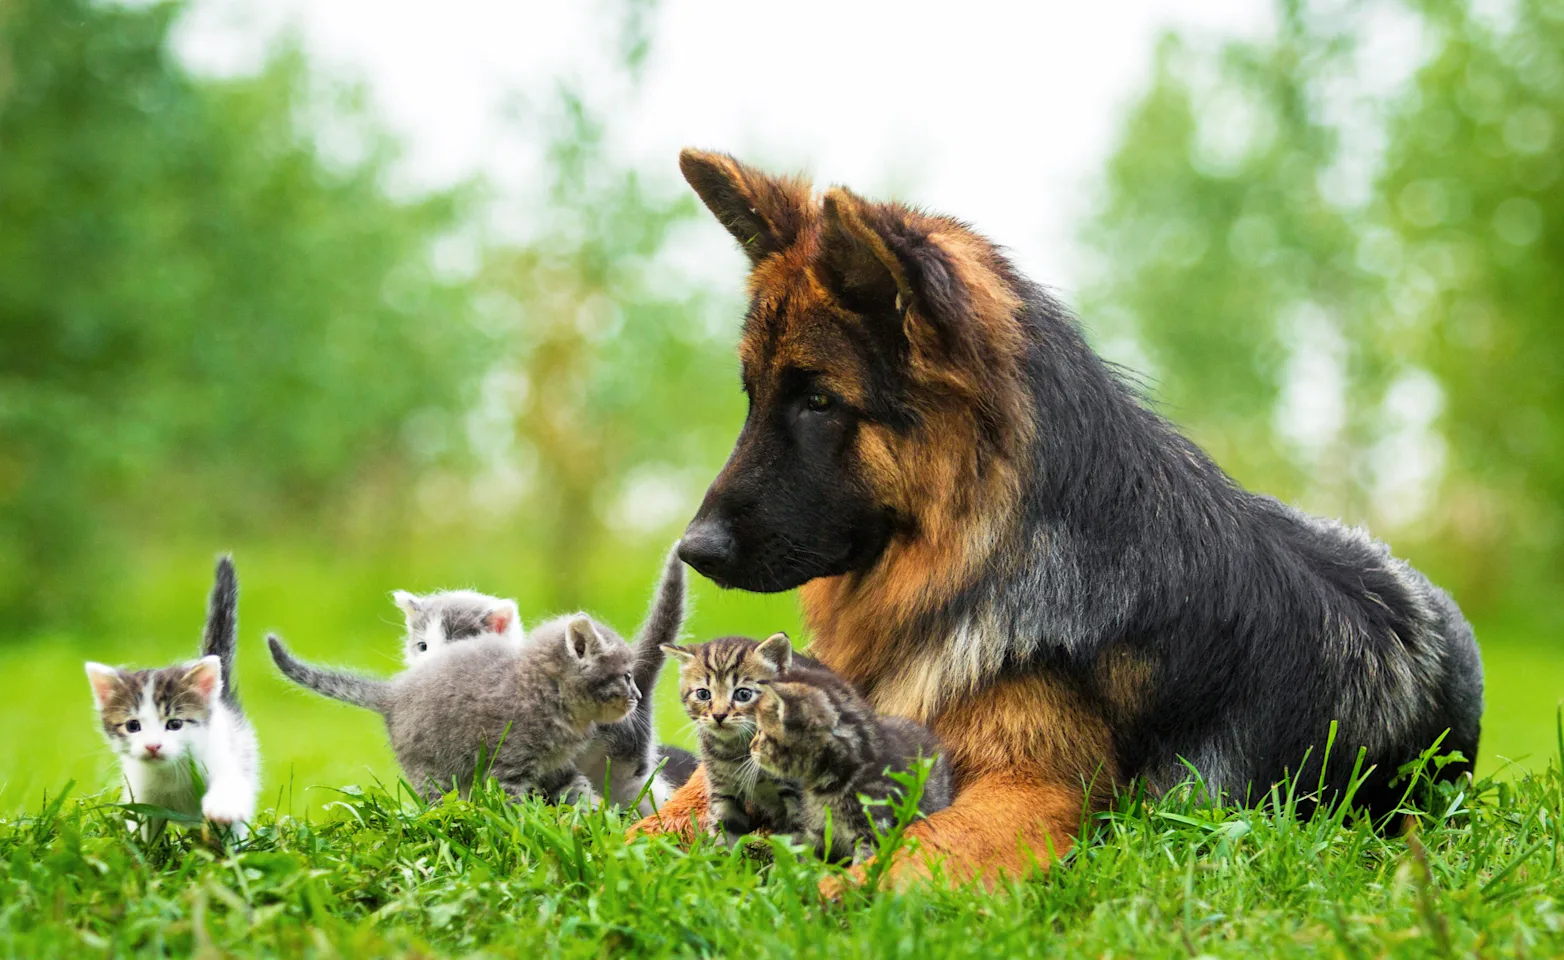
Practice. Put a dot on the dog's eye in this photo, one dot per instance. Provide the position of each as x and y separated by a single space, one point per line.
818 402
422 646
132 726
702 694
174 724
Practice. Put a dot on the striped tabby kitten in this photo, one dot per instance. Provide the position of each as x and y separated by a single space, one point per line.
833 744
171 725
720 683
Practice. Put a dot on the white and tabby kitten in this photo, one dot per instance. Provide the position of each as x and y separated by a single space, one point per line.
179 725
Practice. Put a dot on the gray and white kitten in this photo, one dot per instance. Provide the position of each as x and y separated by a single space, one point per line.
521 713
622 755
173 726
437 620
830 741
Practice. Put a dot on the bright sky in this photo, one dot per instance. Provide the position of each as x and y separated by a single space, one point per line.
999 113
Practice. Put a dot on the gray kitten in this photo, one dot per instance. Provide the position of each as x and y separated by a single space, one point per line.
621 755
524 712
626 754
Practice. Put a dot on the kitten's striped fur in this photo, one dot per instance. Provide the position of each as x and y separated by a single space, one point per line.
829 741
719 684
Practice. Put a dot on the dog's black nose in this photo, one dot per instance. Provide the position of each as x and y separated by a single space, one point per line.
708 547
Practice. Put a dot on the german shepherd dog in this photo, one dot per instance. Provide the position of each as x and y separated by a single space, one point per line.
996 537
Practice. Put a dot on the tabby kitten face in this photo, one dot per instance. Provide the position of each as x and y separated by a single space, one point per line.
437 620
720 681
157 717
795 724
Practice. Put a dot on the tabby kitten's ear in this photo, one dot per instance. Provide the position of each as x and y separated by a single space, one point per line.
408 603
205 677
503 617
104 680
777 652
581 638
676 651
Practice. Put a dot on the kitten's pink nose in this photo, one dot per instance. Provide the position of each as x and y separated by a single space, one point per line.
717 718
152 748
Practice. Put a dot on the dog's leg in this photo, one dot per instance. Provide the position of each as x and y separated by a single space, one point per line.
1002 824
675 815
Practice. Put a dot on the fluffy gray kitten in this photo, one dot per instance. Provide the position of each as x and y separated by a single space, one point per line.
520 713
626 754
622 755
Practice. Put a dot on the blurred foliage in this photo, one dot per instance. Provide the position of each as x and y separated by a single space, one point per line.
1353 298
607 375
203 316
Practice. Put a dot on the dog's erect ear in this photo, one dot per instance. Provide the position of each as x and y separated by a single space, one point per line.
764 213
881 259
856 258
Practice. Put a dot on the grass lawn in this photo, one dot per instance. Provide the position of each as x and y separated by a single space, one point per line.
375 875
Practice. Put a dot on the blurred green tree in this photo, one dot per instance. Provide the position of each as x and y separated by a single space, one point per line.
609 372
202 311
1353 299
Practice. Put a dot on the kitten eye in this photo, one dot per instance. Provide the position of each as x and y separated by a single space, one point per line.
422 646
702 694
132 726
818 402
743 695
174 724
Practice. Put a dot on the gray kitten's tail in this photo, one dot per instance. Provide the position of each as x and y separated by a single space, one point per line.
662 626
221 636
337 684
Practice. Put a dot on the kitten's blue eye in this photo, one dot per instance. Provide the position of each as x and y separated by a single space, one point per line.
422 646
702 694
175 724
132 726
743 695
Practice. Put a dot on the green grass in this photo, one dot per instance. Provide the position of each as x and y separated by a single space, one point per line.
362 873
380 874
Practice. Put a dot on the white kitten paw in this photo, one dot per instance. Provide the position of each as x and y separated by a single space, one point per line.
226 807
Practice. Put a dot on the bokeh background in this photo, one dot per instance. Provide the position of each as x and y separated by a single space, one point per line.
394 296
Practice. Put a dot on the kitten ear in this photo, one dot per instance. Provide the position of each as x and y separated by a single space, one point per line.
408 603
503 618
678 652
777 652
104 680
581 637
206 677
